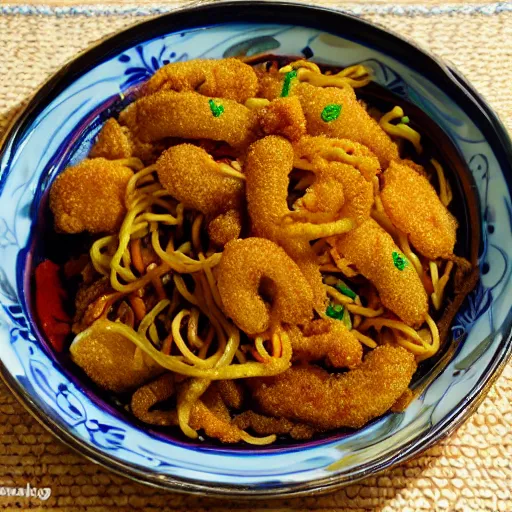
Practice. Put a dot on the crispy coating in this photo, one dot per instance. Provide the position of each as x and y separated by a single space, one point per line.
225 227
370 248
284 117
231 392
247 265
313 396
268 164
326 339
320 151
415 208
148 152
270 84
191 176
353 123
145 399
211 415
109 359
112 142
226 78
264 425
90 196
188 115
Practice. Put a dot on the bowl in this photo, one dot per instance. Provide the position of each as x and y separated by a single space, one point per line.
56 129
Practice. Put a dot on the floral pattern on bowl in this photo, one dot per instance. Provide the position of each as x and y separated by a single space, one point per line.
59 130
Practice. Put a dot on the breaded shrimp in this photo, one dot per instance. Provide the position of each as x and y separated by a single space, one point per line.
414 207
112 142
190 115
313 396
148 152
326 339
192 177
248 265
353 123
268 164
270 84
148 396
225 227
283 116
226 78
90 196
320 151
111 361
376 256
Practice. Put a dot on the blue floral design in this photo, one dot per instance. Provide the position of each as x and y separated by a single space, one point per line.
143 67
28 165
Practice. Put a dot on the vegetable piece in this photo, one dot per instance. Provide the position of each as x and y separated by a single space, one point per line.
50 297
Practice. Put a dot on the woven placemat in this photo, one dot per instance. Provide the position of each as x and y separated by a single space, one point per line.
470 471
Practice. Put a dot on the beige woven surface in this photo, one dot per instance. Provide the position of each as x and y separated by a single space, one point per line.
470 471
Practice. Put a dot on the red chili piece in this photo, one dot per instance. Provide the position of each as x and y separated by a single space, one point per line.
50 297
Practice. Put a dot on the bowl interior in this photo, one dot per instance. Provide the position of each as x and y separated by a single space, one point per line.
58 130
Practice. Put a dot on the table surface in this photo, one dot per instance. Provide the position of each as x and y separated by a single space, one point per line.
469 471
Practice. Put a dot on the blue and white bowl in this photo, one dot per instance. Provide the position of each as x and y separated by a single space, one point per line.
56 129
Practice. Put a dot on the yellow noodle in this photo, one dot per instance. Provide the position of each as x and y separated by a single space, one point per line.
335 294
367 312
411 256
256 103
365 340
305 64
196 232
395 324
227 170
445 193
193 324
400 130
258 441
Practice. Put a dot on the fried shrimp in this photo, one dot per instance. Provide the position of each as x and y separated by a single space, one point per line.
90 196
326 339
283 116
264 425
414 207
353 122
246 267
112 361
313 396
372 250
112 142
145 399
225 227
264 251
190 115
229 78
268 164
320 151
191 176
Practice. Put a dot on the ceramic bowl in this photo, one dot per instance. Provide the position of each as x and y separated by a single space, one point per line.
57 128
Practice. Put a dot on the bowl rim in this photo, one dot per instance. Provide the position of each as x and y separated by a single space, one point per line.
200 14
